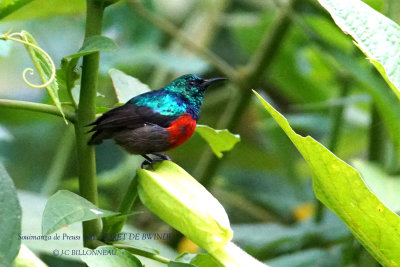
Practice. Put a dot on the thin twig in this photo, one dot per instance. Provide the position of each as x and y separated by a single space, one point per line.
143 253
169 28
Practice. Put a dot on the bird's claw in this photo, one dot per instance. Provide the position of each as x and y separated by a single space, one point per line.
150 161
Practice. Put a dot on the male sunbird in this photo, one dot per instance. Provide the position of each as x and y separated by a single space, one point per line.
156 121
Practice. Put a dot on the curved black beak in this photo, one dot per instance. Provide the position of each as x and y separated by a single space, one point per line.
207 82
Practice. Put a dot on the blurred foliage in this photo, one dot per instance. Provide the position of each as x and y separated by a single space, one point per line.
263 183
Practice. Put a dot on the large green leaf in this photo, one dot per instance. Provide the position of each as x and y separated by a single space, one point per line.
172 194
376 35
9 6
106 256
341 188
44 68
65 208
219 140
10 219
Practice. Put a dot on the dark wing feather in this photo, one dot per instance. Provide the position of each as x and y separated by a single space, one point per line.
128 116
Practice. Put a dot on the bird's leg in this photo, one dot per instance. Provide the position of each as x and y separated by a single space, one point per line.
162 156
148 161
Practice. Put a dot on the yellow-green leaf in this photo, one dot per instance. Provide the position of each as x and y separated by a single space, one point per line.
219 140
341 188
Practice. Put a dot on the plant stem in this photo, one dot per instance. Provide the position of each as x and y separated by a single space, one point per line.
248 78
376 149
143 253
37 107
86 113
113 225
169 28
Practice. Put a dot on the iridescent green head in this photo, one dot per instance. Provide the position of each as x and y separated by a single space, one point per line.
190 86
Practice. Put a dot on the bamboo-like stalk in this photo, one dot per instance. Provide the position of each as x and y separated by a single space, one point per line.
86 113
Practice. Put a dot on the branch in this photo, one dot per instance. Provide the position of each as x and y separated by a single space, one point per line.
37 107
169 28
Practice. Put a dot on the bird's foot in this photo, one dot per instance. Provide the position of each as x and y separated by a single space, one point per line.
150 161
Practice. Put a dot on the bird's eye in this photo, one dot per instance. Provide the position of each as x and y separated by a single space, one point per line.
192 83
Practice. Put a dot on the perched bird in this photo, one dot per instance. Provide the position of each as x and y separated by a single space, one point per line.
156 121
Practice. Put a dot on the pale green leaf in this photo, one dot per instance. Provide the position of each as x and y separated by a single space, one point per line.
65 208
219 140
170 192
106 256
126 86
93 44
376 35
9 6
341 188
44 69
10 219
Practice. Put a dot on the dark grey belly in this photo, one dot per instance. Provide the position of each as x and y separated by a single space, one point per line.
144 140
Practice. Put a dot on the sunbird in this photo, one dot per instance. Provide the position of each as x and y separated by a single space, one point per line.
155 121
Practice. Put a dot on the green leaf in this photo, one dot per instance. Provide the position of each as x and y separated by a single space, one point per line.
376 35
10 219
126 86
110 256
67 76
9 6
341 188
219 140
203 259
93 44
44 69
65 208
